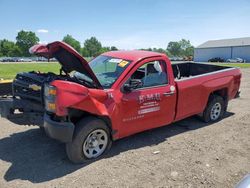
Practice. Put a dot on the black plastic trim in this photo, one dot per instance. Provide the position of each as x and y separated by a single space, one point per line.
61 131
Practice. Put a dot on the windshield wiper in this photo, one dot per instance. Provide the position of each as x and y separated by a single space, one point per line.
89 83
81 78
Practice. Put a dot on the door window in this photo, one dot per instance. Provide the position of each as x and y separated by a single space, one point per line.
151 74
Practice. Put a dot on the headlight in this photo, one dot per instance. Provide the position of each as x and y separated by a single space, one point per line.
50 98
49 90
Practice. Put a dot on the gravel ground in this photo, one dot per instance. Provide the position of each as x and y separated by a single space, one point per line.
185 154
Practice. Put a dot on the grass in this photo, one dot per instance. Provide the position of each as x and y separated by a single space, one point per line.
9 70
240 65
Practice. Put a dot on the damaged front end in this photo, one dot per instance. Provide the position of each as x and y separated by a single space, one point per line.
25 105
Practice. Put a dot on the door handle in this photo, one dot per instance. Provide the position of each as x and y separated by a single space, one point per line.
168 93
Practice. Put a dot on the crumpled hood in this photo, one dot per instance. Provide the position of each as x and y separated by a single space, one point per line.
68 57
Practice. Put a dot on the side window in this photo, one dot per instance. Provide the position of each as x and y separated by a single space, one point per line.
151 74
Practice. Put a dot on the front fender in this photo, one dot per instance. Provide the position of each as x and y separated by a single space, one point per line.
73 95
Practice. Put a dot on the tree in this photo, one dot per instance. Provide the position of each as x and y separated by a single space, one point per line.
185 44
186 47
146 49
174 48
25 40
9 48
92 46
84 52
159 50
180 48
189 51
113 48
104 49
72 42
168 53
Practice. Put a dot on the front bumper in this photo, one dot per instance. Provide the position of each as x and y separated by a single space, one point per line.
62 131
28 112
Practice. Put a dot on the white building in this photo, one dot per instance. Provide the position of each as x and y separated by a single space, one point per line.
226 49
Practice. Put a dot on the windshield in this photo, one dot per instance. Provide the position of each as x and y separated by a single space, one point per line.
108 69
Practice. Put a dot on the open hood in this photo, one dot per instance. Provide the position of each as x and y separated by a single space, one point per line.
68 57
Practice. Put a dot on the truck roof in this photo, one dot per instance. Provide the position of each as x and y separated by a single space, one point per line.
133 55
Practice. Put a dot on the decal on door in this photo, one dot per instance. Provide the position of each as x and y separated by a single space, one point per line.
149 110
149 103
132 118
149 97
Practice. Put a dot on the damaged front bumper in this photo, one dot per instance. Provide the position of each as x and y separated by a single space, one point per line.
59 130
22 112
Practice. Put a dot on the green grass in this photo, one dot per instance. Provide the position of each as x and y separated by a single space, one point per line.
240 65
9 70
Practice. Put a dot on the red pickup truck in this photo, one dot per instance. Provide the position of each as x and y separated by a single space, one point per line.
120 93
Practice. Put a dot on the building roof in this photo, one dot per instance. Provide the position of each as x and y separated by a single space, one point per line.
226 43
133 55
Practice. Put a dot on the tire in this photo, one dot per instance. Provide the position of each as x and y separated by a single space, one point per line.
91 139
215 109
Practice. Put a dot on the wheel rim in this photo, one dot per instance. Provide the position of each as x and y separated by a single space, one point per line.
95 144
215 111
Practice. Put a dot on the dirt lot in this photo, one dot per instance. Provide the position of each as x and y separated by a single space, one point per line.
185 154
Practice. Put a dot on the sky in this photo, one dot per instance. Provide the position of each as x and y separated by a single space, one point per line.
127 24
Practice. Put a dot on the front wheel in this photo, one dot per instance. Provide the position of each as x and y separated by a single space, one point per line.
215 109
91 139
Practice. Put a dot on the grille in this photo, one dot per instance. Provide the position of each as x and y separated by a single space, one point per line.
21 86
26 91
27 79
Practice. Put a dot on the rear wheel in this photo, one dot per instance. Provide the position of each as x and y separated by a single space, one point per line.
91 140
215 109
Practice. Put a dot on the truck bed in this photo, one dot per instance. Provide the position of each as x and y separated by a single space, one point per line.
196 81
187 70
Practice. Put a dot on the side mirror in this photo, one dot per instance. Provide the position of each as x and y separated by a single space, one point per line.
133 84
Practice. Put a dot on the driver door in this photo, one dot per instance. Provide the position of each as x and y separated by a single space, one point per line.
150 105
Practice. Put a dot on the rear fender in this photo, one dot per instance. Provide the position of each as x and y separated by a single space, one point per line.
221 86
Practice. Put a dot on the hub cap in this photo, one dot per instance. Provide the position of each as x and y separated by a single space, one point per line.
215 111
95 144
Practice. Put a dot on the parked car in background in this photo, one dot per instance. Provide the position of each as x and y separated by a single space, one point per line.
236 60
15 59
216 59
41 59
27 60
8 59
177 59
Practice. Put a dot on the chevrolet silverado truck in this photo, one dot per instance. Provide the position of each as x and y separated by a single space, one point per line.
117 94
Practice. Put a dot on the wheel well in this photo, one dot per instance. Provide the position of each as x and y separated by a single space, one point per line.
76 115
221 92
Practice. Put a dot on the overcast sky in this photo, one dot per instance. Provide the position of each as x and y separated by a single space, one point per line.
127 24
